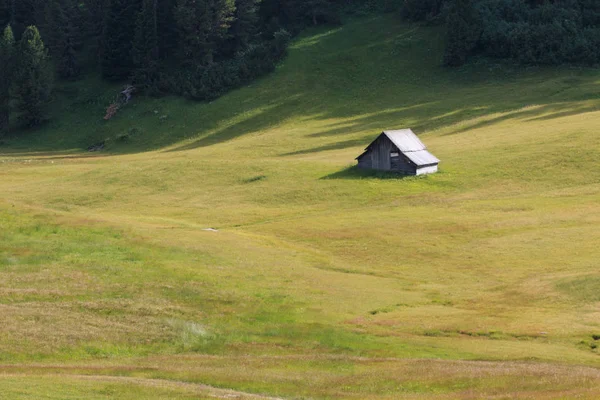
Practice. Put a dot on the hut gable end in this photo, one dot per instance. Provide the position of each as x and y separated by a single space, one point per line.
400 151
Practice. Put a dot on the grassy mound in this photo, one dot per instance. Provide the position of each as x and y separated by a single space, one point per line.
232 243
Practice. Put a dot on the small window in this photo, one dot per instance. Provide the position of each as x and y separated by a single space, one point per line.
394 154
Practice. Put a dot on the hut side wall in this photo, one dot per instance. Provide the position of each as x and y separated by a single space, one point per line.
431 169
365 161
379 157
403 165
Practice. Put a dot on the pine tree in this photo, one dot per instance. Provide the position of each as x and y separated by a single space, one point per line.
145 48
33 78
119 32
7 60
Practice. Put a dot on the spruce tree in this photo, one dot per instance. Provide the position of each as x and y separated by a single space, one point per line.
94 18
67 59
145 48
167 40
51 24
7 60
193 22
202 25
244 26
4 12
223 17
119 31
60 33
22 14
33 79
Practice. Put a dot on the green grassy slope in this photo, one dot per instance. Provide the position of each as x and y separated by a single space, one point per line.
321 281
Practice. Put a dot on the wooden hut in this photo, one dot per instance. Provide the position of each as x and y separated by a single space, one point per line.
399 151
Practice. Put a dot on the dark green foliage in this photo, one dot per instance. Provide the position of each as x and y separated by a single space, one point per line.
167 39
119 31
529 31
60 31
277 13
93 16
4 13
51 24
33 79
67 61
22 14
244 27
558 32
319 11
209 82
463 32
590 13
199 48
193 23
145 48
7 61
294 15
422 10
202 25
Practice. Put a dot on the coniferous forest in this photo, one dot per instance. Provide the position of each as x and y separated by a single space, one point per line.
194 48
202 48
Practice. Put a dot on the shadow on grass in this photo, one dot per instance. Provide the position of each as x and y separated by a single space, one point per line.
543 112
334 146
353 172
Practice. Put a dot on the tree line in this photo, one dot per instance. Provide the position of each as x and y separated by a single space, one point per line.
203 48
549 32
195 48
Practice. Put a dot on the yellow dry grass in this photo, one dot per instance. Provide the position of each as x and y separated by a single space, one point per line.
319 282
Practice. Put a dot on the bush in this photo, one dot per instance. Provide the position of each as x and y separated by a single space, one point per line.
566 31
551 33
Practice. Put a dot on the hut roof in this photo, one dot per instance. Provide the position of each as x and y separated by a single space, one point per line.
409 144
422 157
405 140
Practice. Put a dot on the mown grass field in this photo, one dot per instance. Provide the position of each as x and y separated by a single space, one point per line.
320 281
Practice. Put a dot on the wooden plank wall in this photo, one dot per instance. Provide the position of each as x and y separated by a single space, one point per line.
378 157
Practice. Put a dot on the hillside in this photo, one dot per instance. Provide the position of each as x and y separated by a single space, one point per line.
320 281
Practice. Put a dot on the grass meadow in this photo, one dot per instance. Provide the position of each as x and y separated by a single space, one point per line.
231 248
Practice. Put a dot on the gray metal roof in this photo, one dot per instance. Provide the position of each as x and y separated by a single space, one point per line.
421 157
405 140
410 145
